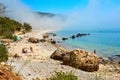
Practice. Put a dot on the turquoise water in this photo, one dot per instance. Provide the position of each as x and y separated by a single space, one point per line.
106 43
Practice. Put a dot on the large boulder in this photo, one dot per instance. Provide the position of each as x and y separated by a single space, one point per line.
83 60
58 54
33 40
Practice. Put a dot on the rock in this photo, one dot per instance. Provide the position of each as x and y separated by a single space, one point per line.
73 37
78 35
81 34
1 72
58 54
59 42
64 39
84 60
54 34
42 40
53 42
66 59
115 58
33 40
104 61
45 36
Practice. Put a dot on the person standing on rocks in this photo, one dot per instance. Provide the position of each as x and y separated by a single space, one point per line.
95 51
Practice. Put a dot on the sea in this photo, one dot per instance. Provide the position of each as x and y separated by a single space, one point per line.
106 43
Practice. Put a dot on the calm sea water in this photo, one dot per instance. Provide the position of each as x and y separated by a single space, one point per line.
106 43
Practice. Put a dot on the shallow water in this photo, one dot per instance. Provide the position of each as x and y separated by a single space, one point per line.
106 43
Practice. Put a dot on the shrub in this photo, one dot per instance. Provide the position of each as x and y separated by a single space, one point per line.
3 53
8 36
63 76
27 27
9 26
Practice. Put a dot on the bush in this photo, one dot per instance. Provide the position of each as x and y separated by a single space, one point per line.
3 53
27 27
8 36
63 76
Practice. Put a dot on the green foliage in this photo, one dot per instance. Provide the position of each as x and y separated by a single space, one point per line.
27 27
3 53
9 26
8 36
63 76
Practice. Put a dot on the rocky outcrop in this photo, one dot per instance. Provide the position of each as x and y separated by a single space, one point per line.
80 59
58 54
84 60
33 40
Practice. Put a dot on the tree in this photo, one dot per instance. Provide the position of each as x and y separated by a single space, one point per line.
27 27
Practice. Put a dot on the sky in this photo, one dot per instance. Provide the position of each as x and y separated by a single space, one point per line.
63 6
100 13
80 14
55 6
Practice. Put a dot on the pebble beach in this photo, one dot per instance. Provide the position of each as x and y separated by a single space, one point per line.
38 64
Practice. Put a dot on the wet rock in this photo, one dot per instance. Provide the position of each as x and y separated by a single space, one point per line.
78 35
104 61
58 54
73 37
51 34
64 39
59 42
33 40
54 34
81 34
115 58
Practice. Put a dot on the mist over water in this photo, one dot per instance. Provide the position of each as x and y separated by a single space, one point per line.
96 15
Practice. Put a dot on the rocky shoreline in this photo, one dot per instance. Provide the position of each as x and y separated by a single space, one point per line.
49 37
40 64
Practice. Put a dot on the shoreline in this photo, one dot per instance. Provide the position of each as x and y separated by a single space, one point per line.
39 64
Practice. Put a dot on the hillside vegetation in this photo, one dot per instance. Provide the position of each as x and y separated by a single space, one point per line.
9 26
